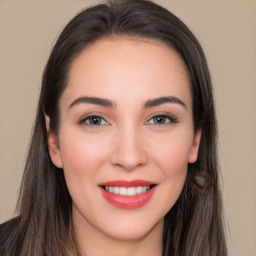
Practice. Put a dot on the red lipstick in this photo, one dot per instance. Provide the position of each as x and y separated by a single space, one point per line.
128 194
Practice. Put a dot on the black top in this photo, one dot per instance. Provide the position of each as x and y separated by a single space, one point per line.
5 231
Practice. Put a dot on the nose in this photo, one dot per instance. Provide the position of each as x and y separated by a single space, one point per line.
128 150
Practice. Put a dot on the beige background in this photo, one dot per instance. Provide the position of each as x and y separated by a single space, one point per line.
227 32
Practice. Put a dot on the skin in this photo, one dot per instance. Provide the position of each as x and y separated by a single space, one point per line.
127 144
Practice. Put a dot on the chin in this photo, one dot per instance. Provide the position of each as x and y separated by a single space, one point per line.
136 230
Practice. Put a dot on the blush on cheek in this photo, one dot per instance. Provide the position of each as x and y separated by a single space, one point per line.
174 159
77 154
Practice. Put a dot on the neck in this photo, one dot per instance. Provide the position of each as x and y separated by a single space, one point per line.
91 242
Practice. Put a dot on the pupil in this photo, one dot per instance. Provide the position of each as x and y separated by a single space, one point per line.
95 120
160 119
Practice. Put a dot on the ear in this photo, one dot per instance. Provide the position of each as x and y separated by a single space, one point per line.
53 145
195 147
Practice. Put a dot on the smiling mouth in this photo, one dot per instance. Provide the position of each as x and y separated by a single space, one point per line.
128 194
128 191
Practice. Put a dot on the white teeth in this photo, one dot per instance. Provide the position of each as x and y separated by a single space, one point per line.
116 190
131 191
138 190
123 191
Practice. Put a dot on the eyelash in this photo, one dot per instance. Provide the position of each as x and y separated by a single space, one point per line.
171 119
90 118
166 120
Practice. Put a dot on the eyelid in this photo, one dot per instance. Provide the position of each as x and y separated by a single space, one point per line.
173 119
90 115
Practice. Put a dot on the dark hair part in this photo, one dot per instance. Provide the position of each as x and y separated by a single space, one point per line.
194 226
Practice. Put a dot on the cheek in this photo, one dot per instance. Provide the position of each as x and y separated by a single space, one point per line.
82 159
171 157
174 159
80 154
171 153
174 171
173 163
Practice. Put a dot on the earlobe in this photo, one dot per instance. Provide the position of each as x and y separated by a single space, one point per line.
195 147
53 145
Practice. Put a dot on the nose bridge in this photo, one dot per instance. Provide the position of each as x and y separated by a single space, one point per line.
129 150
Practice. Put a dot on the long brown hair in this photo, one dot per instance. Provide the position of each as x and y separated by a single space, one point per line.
194 226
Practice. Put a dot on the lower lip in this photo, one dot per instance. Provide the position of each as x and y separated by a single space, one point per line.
128 202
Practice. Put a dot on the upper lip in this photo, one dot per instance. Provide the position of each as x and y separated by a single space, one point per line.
127 183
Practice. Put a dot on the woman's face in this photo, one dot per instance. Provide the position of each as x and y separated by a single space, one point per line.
125 136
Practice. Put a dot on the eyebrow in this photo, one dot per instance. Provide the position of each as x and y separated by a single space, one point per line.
107 103
162 100
93 100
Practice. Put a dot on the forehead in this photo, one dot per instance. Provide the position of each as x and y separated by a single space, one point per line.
134 67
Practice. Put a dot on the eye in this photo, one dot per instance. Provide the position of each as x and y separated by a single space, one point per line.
162 119
93 121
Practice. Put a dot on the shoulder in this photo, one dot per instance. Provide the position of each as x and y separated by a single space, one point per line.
7 227
5 230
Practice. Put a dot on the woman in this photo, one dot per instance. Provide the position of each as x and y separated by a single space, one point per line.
123 157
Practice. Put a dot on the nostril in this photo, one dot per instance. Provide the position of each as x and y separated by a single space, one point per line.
128 150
